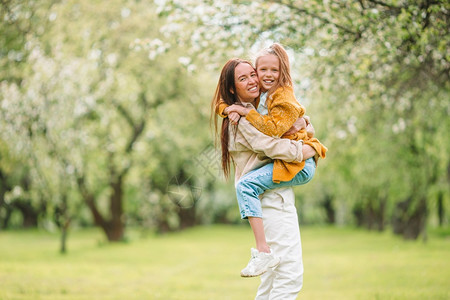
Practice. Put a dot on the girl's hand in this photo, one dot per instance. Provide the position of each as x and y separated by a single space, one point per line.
226 110
234 117
310 130
307 120
309 127
238 109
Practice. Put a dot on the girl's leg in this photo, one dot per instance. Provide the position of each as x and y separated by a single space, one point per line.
258 231
262 258
250 205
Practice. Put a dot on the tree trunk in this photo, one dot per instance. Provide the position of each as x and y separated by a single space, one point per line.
187 217
376 214
29 213
440 208
329 209
64 233
4 209
89 199
116 226
62 220
371 214
6 217
410 224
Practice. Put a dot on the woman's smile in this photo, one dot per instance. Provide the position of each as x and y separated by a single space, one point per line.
246 82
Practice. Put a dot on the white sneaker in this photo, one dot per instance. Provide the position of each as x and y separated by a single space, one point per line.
260 263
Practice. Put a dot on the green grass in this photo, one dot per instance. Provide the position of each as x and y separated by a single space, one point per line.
204 263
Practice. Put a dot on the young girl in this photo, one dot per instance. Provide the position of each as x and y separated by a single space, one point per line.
277 111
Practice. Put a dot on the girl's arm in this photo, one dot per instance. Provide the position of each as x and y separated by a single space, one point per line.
281 117
283 112
220 109
275 148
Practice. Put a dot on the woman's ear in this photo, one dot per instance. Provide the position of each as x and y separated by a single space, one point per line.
231 91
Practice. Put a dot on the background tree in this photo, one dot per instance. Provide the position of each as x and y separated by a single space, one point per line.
102 117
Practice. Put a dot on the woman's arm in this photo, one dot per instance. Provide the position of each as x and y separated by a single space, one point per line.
275 148
297 126
308 152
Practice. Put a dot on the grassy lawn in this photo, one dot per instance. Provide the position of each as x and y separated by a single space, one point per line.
204 263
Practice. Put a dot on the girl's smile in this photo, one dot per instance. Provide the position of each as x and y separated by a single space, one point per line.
268 70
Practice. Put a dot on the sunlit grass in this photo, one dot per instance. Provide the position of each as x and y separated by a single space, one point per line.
204 263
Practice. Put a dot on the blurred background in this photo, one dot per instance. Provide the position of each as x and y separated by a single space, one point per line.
107 153
105 111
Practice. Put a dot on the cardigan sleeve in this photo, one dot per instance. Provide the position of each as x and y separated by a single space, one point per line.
281 117
220 108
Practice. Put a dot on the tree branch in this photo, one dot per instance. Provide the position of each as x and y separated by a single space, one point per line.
9 12
89 198
324 20
361 3
381 3
125 114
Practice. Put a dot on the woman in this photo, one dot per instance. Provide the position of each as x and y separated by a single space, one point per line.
250 149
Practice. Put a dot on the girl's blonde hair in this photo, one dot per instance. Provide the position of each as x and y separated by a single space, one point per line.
285 70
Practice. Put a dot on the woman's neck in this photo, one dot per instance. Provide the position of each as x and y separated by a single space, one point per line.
252 102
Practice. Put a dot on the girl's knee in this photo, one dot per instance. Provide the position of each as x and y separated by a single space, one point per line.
240 186
246 189
309 171
245 183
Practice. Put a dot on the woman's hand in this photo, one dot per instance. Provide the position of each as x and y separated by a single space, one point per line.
238 109
308 152
234 117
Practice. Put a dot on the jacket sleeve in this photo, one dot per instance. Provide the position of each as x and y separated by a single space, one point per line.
275 148
220 108
282 114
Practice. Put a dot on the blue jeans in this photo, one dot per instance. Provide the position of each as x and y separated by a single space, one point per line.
256 182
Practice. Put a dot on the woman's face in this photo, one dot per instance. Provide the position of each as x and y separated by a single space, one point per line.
246 82
268 71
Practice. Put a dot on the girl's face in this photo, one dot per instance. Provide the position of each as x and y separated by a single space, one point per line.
246 82
268 69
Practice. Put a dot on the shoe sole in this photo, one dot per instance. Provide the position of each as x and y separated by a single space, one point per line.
264 271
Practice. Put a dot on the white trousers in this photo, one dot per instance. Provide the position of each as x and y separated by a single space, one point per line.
283 236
